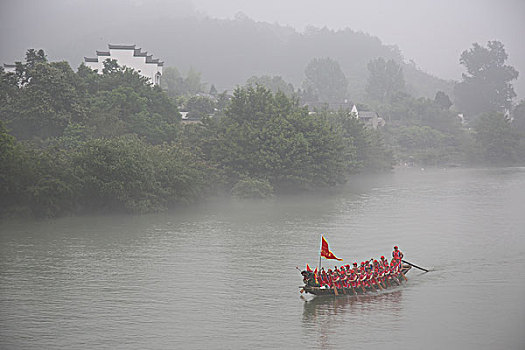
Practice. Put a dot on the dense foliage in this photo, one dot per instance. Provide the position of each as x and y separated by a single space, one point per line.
486 87
385 80
269 137
326 81
497 141
75 142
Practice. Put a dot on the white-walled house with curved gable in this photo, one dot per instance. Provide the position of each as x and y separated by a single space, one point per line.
129 56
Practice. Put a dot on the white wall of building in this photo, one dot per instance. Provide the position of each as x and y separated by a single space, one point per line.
129 56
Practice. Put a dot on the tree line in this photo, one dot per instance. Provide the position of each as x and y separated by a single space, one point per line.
478 123
76 142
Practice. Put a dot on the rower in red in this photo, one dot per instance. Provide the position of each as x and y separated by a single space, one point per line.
397 254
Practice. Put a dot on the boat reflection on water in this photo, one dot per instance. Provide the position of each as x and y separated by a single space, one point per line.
337 322
326 306
332 321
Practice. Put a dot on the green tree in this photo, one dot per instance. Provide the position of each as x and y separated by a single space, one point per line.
130 175
11 163
497 140
110 66
364 147
45 99
176 85
172 81
486 87
385 79
326 80
442 100
213 90
121 101
518 124
200 106
193 83
269 137
273 83
518 118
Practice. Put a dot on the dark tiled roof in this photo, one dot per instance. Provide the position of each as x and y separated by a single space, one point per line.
9 65
367 115
139 53
150 59
121 47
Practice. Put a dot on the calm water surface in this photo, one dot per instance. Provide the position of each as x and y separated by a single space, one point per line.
223 275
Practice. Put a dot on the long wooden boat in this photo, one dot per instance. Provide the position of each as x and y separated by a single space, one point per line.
319 291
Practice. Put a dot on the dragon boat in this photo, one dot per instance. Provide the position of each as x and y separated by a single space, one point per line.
392 282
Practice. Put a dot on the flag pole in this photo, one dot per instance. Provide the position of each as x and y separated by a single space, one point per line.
320 254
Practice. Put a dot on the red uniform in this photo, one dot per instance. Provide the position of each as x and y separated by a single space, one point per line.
396 254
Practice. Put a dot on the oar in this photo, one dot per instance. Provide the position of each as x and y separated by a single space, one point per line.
393 279
404 277
417 267
378 284
353 290
351 286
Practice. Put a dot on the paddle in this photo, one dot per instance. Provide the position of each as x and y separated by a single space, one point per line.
393 279
351 286
372 285
417 267
403 275
378 284
353 290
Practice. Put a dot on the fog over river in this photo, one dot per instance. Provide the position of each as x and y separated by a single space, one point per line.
222 275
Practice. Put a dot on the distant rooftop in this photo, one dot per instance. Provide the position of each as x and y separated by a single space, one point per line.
137 52
122 47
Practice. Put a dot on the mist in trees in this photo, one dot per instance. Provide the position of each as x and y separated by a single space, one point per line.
78 141
326 81
113 142
385 79
487 85
273 83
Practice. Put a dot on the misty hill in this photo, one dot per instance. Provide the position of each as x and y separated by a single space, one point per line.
226 52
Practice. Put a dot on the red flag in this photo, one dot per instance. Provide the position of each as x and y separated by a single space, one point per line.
308 268
325 251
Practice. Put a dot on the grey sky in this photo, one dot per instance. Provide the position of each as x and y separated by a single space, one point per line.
433 33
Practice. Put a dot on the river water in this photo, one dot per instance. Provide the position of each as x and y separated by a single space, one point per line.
222 275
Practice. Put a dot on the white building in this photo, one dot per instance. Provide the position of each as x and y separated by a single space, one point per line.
129 56
370 119
9 68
